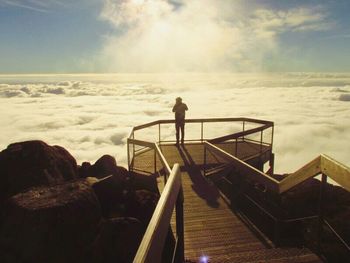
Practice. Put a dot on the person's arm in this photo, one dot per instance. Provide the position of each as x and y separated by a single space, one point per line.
186 107
174 108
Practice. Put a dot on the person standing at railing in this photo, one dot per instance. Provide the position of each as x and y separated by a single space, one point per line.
180 109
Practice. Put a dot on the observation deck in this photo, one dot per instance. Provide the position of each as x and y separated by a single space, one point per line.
212 222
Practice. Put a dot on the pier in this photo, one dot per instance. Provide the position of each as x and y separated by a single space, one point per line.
208 222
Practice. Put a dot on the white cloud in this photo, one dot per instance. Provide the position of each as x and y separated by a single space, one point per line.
34 5
200 35
297 19
310 111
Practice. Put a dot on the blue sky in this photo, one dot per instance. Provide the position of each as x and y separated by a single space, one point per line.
58 36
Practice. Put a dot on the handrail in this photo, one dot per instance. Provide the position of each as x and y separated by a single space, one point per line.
249 170
309 170
154 146
169 121
151 247
162 158
322 164
240 134
335 170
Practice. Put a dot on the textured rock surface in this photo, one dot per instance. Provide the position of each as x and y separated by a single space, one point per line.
117 241
53 211
50 224
33 163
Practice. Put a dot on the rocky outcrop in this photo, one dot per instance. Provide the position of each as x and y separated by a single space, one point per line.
117 241
50 224
52 210
34 163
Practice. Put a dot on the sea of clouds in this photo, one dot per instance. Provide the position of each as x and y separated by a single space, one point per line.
92 115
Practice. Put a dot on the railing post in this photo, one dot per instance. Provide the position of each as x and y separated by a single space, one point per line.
321 211
205 161
180 257
159 133
155 161
272 135
128 153
202 131
236 150
261 140
243 128
133 150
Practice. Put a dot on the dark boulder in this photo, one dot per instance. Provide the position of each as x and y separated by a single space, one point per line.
117 241
85 170
142 205
33 163
112 192
143 182
104 166
50 224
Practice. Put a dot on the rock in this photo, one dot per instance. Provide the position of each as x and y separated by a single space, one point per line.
302 200
142 205
85 170
50 224
117 241
112 193
143 182
33 163
104 166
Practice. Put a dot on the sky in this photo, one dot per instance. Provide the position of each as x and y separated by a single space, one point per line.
120 36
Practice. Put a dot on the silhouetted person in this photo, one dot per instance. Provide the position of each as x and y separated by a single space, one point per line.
180 109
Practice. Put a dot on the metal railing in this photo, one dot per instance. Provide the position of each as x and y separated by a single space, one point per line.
322 165
151 247
152 244
259 126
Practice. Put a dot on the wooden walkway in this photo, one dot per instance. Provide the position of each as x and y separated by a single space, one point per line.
211 228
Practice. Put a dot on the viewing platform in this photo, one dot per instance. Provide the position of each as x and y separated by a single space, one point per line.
216 220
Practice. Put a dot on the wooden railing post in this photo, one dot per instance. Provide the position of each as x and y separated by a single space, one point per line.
321 211
159 139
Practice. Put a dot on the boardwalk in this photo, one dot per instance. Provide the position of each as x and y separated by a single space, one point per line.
211 228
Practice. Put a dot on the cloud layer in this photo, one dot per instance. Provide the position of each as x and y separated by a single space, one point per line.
92 115
198 35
